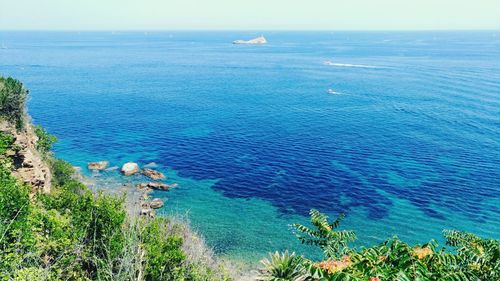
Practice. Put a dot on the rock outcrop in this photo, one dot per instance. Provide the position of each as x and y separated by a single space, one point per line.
147 212
29 165
156 203
153 174
98 166
130 168
156 186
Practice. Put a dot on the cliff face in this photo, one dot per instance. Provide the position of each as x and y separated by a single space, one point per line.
29 166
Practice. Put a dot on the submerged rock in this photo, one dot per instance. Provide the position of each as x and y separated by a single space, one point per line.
159 186
142 186
100 165
152 174
155 185
156 203
151 165
130 168
110 169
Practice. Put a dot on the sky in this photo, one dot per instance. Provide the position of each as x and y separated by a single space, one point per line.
249 14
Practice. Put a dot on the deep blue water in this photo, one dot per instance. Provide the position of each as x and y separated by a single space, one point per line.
408 145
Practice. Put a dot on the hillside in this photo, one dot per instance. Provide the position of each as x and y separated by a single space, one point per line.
29 167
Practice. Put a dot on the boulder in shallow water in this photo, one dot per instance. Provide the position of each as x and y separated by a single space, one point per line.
97 166
159 186
130 168
155 185
156 203
152 174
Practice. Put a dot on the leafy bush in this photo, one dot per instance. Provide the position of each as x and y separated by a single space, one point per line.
333 243
164 257
6 142
15 230
62 172
473 258
45 140
12 101
481 257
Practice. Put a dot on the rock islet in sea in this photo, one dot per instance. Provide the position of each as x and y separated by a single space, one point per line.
256 41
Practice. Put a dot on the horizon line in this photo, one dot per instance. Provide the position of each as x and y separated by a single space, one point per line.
247 30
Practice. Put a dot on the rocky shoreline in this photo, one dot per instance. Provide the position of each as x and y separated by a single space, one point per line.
29 165
136 183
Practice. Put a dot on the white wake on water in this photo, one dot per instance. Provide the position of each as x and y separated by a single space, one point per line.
330 63
333 92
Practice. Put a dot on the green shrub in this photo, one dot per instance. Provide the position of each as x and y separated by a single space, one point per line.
31 273
14 207
164 257
6 142
473 258
45 140
480 256
89 224
283 267
12 101
15 230
104 230
62 172
333 243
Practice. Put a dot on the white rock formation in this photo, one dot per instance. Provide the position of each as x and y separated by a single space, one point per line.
256 41
130 168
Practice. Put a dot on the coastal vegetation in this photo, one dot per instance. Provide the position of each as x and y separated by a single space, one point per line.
470 257
71 233
45 140
12 100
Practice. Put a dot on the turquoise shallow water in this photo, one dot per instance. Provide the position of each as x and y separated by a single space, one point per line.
407 144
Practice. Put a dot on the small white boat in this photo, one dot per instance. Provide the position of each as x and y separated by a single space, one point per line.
332 92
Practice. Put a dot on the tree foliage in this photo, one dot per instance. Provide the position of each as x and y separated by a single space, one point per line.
45 140
333 243
472 257
12 101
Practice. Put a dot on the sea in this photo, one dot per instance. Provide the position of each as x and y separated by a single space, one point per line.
400 131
